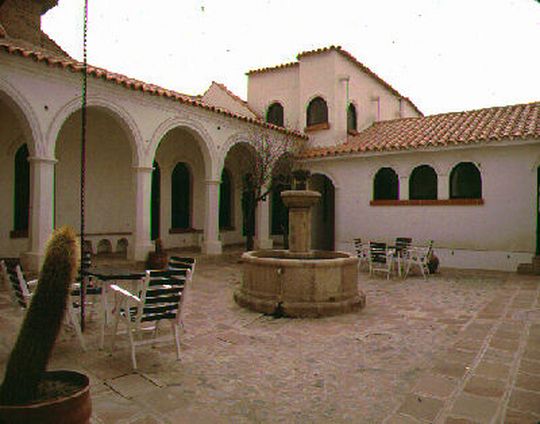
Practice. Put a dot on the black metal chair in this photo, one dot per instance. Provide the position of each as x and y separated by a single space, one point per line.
380 258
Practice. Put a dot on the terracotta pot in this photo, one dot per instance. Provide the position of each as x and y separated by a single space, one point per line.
73 409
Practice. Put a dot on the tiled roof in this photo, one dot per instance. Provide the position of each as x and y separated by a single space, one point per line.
514 122
272 68
235 97
12 47
348 56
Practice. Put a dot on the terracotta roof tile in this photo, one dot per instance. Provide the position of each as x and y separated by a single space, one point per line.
273 68
11 47
476 126
235 97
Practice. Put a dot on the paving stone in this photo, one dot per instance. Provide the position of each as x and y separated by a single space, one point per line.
456 355
530 367
495 370
532 352
454 420
474 407
421 407
481 386
130 385
525 401
514 416
401 419
471 345
509 345
436 386
503 334
450 369
528 382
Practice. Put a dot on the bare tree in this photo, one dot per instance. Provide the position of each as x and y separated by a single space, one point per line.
268 168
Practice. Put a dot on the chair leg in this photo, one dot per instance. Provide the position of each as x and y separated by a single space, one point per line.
76 326
156 328
176 339
132 344
115 329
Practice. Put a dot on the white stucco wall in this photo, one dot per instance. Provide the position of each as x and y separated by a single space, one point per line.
217 96
498 234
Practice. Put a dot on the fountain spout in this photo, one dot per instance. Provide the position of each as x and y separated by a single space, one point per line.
300 203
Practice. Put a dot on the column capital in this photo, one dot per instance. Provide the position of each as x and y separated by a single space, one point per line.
212 182
38 159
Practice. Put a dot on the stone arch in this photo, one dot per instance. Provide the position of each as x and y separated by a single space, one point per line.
118 113
27 117
203 139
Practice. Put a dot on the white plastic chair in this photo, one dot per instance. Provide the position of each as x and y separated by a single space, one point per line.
419 256
159 299
21 297
362 251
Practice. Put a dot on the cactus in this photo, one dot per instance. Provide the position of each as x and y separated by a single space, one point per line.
28 360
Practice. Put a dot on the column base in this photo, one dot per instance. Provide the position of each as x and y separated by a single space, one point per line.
212 248
140 252
32 261
264 243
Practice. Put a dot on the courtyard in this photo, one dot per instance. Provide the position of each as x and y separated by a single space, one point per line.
461 347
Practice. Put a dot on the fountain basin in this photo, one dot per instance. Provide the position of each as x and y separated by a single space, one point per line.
305 284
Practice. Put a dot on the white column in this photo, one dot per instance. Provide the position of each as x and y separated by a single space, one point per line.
262 225
404 188
443 186
141 243
211 243
40 224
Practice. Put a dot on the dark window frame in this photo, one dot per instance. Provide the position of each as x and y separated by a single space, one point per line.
226 200
181 196
423 183
21 194
275 114
465 181
352 118
317 112
386 184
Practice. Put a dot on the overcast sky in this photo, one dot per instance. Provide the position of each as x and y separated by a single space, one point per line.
445 55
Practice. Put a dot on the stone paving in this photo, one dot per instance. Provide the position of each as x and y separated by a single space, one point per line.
461 347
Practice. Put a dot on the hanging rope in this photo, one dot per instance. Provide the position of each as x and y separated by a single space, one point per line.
83 274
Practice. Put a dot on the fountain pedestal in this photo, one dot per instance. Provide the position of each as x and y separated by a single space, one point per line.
300 282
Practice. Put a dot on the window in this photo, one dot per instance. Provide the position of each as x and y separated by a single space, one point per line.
351 118
22 190
385 185
225 200
423 183
274 114
181 197
465 182
317 112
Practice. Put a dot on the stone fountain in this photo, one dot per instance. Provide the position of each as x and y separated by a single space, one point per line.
300 282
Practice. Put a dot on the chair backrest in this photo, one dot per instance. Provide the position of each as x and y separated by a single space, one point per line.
403 243
16 284
377 252
161 295
6 281
178 262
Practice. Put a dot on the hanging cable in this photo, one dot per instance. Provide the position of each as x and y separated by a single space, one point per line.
83 272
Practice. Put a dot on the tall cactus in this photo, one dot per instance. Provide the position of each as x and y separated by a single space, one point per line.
43 320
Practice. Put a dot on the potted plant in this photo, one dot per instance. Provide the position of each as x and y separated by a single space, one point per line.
158 258
30 393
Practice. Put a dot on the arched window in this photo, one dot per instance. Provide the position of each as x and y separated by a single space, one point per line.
317 112
385 185
225 200
155 202
423 183
465 181
22 191
351 118
274 114
181 197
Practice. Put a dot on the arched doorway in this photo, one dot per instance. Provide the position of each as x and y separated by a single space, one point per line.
323 214
182 188
16 145
109 188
